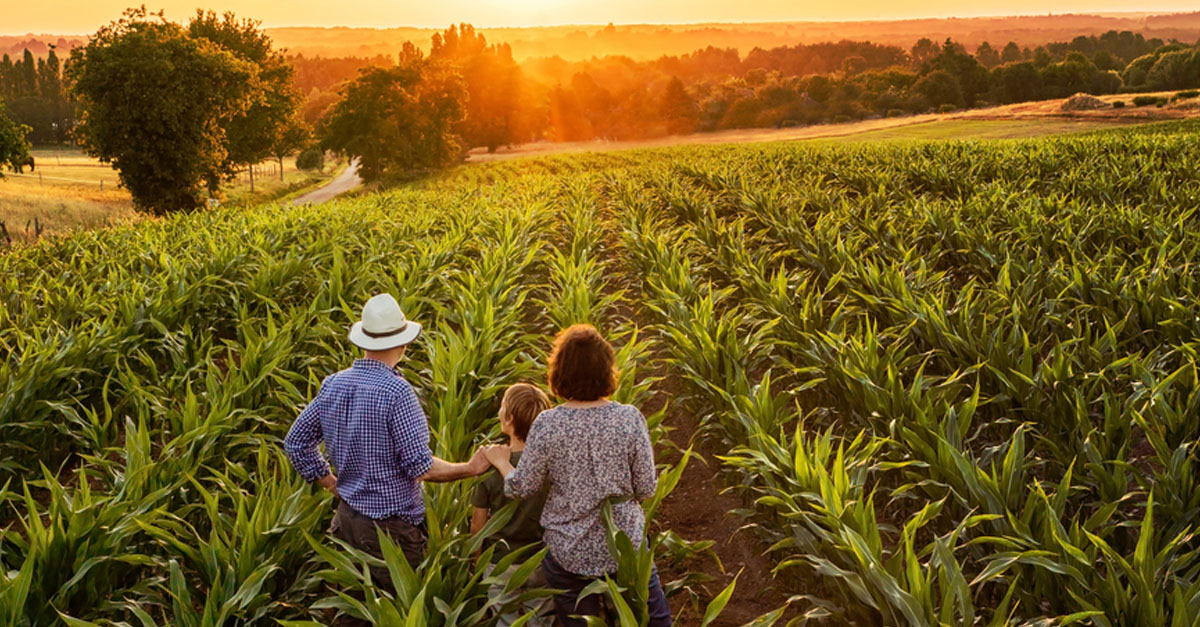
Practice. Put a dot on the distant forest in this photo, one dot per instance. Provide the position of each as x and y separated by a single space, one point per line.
616 97
712 88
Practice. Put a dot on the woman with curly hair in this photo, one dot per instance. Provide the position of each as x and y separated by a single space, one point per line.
590 451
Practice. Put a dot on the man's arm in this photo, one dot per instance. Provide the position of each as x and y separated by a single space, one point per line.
410 433
443 471
302 447
329 482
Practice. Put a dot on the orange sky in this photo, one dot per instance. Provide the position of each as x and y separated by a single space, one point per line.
84 16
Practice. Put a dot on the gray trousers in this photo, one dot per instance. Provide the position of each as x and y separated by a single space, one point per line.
359 531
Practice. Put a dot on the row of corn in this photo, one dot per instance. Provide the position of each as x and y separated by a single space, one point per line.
956 382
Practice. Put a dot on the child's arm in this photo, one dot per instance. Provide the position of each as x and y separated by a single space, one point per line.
479 518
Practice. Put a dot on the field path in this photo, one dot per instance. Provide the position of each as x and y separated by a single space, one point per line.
342 183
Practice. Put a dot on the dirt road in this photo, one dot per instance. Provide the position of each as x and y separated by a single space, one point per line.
341 184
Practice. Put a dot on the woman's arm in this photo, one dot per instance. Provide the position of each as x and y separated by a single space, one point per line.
641 461
529 478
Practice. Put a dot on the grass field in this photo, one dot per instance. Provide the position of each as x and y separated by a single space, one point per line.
71 191
967 129
930 383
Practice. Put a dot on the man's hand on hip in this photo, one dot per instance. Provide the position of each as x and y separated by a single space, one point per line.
329 482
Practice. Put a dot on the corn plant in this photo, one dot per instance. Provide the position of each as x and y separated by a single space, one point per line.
952 382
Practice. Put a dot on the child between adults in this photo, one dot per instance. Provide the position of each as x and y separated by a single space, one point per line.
518 409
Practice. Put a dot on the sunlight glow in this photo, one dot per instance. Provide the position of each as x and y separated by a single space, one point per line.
85 16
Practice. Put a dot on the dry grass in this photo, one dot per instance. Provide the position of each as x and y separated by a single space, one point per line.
968 128
70 190
59 208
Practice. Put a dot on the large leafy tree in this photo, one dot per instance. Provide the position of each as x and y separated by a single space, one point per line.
253 133
495 86
155 102
677 109
14 150
399 119
972 78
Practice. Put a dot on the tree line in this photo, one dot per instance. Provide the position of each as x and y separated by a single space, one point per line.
178 109
712 89
36 97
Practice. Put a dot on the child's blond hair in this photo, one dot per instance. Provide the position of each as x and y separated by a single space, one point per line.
524 402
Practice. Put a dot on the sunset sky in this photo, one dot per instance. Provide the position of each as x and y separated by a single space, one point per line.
84 16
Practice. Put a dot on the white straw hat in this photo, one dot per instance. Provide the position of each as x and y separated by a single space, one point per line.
383 325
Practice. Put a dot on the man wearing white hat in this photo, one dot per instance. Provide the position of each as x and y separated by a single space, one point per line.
377 437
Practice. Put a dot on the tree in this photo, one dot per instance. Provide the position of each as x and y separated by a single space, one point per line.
399 119
14 150
154 103
1016 82
1041 57
678 109
987 55
924 51
1137 74
1104 60
28 76
818 87
940 88
972 78
311 159
253 132
567 119
1073 75
1011 53
36 99
494 85
53 97
290 138
853 65
1179 69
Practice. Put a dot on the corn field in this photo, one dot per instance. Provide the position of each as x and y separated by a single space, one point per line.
954 383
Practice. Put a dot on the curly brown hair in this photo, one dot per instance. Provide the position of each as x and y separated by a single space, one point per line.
583 366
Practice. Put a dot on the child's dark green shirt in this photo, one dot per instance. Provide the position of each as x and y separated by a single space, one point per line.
525 527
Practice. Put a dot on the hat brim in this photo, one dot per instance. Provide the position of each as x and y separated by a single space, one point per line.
366 342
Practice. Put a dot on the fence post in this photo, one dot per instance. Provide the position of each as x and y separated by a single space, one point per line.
39 178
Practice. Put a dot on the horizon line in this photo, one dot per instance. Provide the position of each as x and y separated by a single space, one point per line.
1101 14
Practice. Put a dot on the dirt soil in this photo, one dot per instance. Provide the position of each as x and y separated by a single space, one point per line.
701 509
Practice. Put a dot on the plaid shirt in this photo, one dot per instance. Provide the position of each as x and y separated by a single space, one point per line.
375 434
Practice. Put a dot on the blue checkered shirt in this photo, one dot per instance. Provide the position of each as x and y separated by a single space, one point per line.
375 434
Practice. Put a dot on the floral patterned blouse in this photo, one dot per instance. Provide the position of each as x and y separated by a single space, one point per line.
587 455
